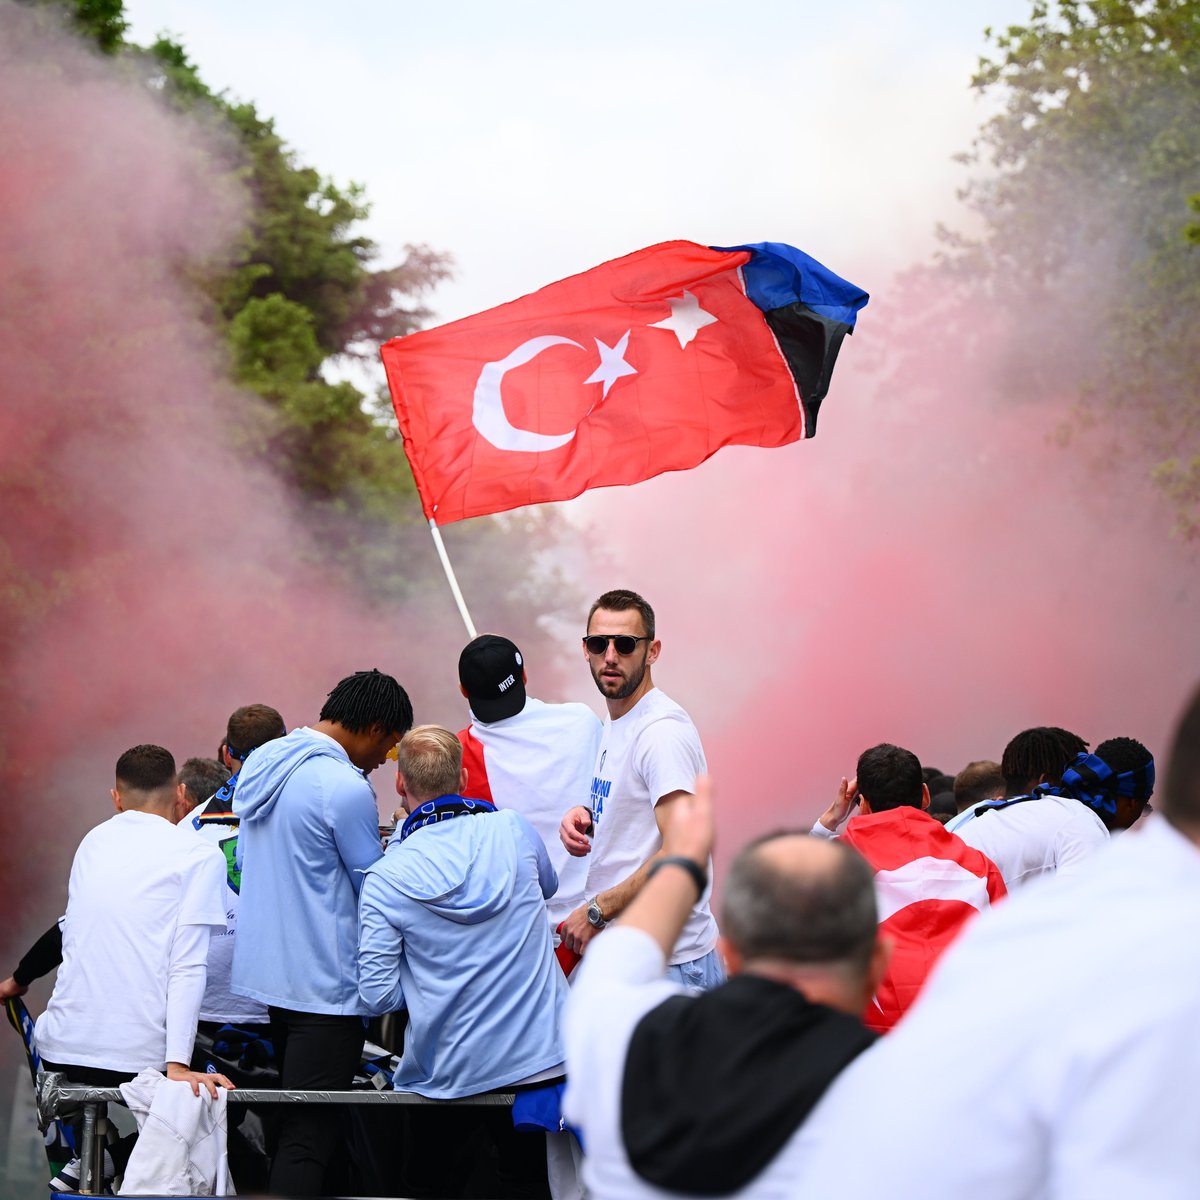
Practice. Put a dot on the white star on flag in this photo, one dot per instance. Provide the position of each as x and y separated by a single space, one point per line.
612 364
687 318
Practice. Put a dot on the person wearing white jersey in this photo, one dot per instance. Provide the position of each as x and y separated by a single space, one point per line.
1032 758
248 728
142 900
1060 826
524 755
649 757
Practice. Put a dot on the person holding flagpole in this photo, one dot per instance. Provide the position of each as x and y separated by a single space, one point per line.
650 755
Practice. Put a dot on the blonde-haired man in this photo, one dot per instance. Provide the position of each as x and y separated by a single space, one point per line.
452 926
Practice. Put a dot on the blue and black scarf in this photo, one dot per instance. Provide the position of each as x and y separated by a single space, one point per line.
1095 783
443 808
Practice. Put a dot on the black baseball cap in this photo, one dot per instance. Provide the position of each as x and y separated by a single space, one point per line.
490 669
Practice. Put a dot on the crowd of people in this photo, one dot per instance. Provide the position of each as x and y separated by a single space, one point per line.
564 949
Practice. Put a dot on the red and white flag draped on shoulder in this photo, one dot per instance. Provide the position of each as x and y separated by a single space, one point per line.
928 885
649 363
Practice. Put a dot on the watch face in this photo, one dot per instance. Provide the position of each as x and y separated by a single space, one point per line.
594 915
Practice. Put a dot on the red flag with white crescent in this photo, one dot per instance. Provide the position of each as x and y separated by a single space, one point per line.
649 363
928 885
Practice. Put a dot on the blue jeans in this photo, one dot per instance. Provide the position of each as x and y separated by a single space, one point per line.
701 974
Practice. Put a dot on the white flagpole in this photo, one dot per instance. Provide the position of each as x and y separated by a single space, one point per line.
451 579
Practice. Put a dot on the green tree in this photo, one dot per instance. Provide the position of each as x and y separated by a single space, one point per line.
1087 214
302 290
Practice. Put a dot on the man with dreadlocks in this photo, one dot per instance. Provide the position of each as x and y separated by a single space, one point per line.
1034 757
309 828
1060 825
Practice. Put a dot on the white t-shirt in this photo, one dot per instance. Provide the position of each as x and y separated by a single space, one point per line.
142 897
1061 1031
619 981
219 1003
1047 836
539 763
650 752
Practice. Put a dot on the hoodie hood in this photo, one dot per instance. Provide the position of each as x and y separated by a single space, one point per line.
268 768
455 868
714 1085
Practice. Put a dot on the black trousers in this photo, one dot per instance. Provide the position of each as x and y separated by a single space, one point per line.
316 1052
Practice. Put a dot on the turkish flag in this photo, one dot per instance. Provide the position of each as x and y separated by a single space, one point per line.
649 363
928 885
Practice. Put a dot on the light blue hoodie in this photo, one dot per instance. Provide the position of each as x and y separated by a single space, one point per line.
452 924
309 828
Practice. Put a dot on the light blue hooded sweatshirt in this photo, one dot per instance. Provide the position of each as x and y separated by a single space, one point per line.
452 925
309 827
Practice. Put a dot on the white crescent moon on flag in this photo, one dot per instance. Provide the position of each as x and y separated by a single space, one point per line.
488 415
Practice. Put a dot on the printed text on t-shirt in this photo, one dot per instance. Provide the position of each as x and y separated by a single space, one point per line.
600 791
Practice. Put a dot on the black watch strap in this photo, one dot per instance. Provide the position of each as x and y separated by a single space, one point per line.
694 869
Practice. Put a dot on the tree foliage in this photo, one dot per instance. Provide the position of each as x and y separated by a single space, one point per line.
1088 215
301 294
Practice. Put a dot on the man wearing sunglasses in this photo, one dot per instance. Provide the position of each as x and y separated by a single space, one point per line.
649 756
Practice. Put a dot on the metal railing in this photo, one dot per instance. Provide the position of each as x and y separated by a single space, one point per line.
55 1094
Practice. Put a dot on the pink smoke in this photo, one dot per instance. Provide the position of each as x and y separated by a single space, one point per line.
154 579
929 570
933 569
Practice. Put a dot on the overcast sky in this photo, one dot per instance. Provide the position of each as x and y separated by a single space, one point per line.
532 139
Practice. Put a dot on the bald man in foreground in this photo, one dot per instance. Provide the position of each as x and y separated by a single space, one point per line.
704 1093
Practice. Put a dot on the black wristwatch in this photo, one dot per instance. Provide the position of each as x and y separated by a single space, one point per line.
594 914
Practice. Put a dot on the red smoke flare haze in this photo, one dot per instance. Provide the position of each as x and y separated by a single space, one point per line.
931 570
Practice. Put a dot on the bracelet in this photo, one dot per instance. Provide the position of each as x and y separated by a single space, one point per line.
694 869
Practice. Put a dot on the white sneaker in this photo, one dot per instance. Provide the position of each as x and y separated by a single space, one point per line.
67 1180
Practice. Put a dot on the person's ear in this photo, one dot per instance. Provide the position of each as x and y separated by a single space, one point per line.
652 653
464 692
462 781
924 795
524 675
116 799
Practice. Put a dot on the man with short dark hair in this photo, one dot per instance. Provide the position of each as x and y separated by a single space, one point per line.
1059 826
649 757
142 899
978 782
309 828
527 756
928 882
705 1094
248 727
1064 1024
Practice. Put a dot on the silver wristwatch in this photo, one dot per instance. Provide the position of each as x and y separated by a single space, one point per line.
594 915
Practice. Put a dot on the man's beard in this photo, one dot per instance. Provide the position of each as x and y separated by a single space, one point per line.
630 685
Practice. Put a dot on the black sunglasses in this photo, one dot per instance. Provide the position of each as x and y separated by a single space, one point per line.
597 643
